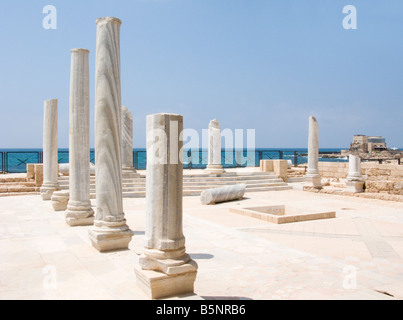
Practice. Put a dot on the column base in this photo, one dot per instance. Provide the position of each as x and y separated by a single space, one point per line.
314 181
214 169
110 236
47 190
354 186
169 262
157 285
60 200
79 214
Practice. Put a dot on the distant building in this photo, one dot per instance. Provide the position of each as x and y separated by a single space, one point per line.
368 144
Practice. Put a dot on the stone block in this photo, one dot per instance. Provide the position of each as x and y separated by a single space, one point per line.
354 187
158 285
279 215
379 186
116 240
266 165
340 174
280 168
60 199
30 171
377 172
38 172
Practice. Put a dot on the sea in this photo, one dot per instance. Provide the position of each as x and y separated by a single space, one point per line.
15 160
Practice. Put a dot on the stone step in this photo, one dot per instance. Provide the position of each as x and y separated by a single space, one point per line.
256 189
12 179
18 189
22 183
141 188
11 194
248 187
220 183
194 184
232 178
228 182
229 174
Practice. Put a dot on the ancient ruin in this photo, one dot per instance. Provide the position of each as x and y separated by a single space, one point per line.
110 231
223 194
50 161
79 211
312 174
127 141
214 165
165 268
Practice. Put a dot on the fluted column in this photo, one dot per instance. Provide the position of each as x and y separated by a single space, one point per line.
79 211
165 268
313 175
50 156
214 165
127 141
110 231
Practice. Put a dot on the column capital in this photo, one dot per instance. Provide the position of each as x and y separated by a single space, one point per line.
105 20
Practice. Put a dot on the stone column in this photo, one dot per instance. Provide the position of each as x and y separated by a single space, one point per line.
223 194
127 141
355 181
313 175
50 156
214 165
79 211
110 231
165 268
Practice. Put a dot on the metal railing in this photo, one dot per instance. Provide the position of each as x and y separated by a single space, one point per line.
2 162
16 161
198 159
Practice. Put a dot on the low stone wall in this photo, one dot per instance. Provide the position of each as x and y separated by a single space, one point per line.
383 178
379 178
337 170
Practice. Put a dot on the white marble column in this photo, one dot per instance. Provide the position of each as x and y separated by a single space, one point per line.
50 155
79 211
110 231
214 165
127 141
355 181
165 268
313 175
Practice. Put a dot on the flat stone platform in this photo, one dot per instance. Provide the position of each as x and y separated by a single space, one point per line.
357 255
279 214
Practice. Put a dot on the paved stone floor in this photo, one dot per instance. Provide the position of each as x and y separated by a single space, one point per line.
357 255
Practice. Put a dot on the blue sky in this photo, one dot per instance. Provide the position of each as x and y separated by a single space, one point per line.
252 64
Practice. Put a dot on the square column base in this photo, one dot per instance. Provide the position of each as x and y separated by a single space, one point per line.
314 181
60 200
158 285
47 190
80 222
105 242
354 186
